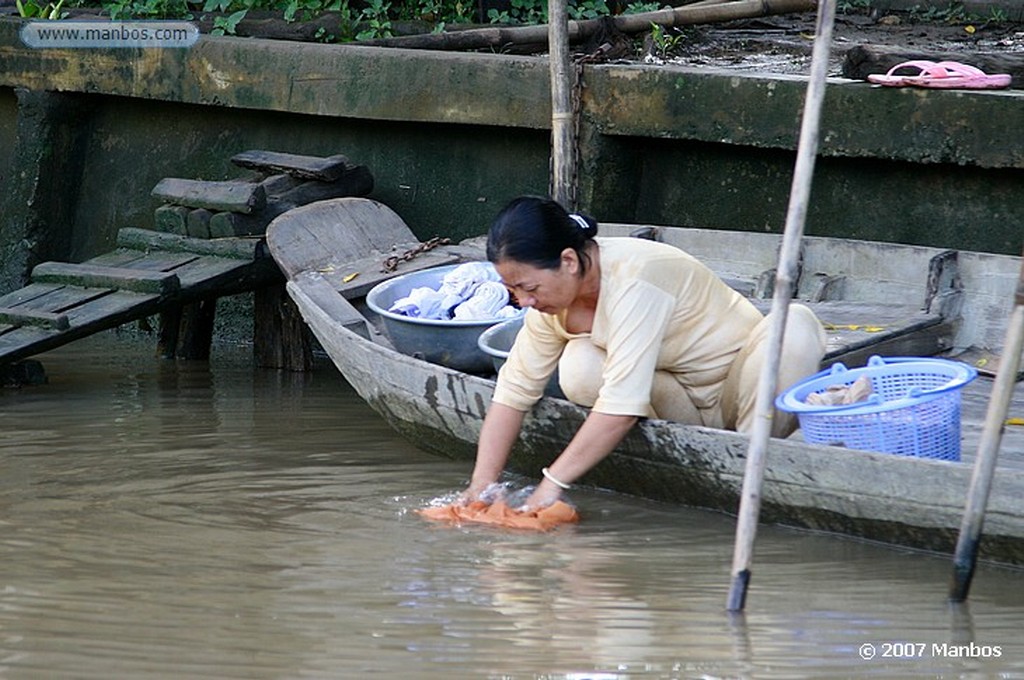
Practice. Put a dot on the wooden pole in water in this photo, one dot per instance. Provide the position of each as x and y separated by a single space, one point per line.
966 556
807 150
563 132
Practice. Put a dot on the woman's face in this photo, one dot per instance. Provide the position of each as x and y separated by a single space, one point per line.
546 290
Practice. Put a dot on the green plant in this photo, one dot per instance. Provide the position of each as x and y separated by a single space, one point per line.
308 9
665 41
439 12
853 6
30 10
144 9
997 16
376 19
952 14
640 7
588 9
521 12
535 11
228 25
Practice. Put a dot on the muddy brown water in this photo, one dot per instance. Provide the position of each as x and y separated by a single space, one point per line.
170 520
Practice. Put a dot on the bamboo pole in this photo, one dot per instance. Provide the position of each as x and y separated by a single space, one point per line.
498 37
563 131
807 149
966 556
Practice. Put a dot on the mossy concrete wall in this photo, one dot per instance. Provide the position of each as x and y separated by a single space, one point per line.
451 137
707 148
8 123
431 174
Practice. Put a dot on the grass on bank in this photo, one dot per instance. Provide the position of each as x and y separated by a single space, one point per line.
369 19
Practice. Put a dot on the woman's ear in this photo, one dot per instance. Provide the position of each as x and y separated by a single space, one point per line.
571 261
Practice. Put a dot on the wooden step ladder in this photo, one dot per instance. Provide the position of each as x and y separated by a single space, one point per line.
209 243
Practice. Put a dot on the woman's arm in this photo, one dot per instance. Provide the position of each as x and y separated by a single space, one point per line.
498 434
599 434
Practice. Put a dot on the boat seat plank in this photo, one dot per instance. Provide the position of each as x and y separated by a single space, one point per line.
98 276
318 289
355 278
974 402
856 330
313 236
987 362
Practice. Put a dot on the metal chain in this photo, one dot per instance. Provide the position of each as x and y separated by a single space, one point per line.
575 100
578 86
392 262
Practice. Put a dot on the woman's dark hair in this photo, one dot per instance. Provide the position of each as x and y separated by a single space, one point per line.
535 231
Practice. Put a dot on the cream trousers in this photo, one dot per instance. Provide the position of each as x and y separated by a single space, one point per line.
802 350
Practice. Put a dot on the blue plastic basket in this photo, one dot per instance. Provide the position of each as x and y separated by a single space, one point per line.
914 409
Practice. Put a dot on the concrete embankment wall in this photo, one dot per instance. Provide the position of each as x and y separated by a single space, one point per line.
86 134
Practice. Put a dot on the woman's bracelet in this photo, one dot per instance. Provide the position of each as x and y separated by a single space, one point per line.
554 480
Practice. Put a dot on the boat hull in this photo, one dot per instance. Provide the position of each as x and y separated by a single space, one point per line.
906 501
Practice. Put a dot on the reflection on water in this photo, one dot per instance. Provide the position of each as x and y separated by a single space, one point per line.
165 519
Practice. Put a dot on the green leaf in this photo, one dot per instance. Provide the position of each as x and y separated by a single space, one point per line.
229 23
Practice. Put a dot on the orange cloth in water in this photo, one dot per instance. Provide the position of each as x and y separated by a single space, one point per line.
499 514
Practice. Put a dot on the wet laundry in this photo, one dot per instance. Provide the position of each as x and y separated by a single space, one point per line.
500 514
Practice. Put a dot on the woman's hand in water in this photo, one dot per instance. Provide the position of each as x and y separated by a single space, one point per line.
487 492
544 495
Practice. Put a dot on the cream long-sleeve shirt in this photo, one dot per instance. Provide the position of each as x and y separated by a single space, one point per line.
658 308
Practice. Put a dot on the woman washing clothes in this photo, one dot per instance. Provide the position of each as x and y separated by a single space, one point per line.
637 329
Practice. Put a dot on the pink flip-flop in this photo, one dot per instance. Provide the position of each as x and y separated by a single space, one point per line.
942 74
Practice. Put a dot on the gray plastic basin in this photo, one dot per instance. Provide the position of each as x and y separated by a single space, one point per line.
449 343
497 342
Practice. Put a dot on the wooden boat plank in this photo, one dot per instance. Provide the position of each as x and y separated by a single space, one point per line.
974 399
855 330
328 298
985 361
312 240
356 278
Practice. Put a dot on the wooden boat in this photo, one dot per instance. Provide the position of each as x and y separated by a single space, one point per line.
874 297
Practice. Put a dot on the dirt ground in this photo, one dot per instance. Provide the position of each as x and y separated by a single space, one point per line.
782 44
774 44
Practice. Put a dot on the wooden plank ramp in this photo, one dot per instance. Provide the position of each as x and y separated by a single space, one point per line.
149 273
